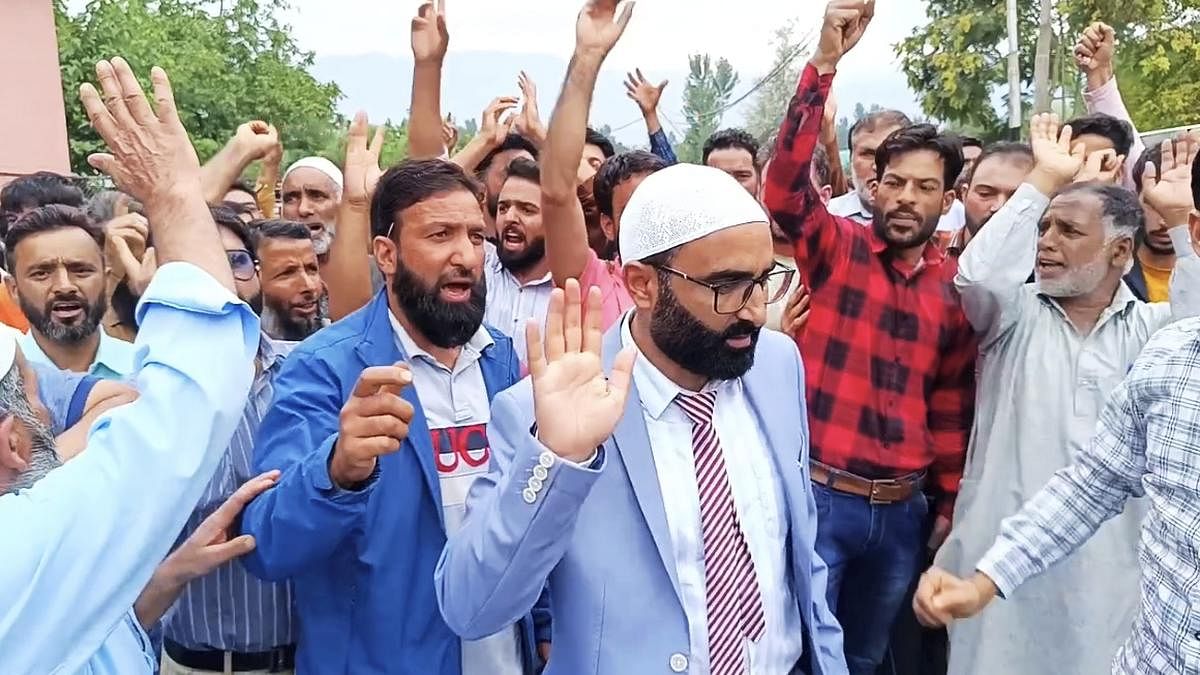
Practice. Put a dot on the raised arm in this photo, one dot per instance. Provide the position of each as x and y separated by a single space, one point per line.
430 39
837 172
348 273
1168 190
596 32
252 141
790 195
1094 57
493 129
1000 257
647 96
115 510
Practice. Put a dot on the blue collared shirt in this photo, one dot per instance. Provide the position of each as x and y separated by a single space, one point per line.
114 358
229 609
88 536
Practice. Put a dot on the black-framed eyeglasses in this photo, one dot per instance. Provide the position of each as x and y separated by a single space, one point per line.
729 297
243 264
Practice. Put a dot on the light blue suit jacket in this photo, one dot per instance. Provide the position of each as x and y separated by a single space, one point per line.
600 537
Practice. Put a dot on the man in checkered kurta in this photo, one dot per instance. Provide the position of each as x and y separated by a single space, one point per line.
889 354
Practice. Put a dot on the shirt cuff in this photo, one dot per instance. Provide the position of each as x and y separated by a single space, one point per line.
1091 96
185 286
1003 565
1181 238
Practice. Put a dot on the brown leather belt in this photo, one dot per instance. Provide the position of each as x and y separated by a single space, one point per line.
887 491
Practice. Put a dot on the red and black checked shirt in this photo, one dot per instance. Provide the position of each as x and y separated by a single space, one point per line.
888 353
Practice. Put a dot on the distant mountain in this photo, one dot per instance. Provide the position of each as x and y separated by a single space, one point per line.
382 85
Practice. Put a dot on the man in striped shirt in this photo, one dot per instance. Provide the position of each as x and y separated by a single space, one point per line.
230 621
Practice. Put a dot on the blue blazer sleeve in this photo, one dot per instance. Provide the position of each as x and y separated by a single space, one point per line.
493 571
304 517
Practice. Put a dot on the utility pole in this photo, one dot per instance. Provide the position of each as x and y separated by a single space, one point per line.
1041 60
1014 74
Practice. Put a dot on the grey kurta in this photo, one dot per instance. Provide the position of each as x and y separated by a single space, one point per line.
1041 388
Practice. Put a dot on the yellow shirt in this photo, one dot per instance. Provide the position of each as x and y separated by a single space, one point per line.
1157 281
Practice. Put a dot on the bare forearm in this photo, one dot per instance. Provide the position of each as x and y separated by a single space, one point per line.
222 171
183 231
653 126
425 121
837 173
347 273
156 598
473 153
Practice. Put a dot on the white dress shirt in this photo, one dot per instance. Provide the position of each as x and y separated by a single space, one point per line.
457 410
758 499
510 303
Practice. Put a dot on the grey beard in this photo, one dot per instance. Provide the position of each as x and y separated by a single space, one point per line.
43 456
322 241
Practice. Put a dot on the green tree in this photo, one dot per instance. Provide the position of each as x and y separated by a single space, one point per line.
779 84
955 61
705 96
228 64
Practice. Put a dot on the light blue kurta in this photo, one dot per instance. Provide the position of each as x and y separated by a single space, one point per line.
1041 388
82 543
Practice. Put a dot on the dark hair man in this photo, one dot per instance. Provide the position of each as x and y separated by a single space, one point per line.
866 135
493 169
1098 131
1078 238
26 193
242 194
889 355
380 424
991 181
517 272
735 152
1154 258
972 149
596 149
56 255
291 279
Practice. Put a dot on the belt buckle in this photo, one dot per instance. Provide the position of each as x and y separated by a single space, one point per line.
874 498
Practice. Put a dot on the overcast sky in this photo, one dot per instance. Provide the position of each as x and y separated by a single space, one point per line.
660 35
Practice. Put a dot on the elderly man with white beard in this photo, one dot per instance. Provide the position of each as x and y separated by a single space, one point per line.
88 535
1050 354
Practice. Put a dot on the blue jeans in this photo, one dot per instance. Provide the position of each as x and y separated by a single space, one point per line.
873 552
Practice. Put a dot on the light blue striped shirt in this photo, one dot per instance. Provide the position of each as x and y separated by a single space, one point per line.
230 609
510 303
1147 444
84 541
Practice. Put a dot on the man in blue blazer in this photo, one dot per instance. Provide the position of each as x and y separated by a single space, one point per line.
674 525
373 482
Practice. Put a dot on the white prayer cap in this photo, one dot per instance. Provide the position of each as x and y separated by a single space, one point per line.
8 348
680 204
320 164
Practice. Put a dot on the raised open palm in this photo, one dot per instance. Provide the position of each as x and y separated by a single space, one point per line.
1052 149
643 92
430 38
575 405
598 26
1168 188
361 172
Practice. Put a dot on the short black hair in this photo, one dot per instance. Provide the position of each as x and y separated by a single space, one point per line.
617 170
731 138
871 122
971 142
229 219
46 219
411 182
593 137
276 228
525 169
821 165
922 137
1150 154
511 142
1106 126
34 190
1001 149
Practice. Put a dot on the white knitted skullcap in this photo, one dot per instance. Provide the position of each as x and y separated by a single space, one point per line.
8 348
320 164
680 204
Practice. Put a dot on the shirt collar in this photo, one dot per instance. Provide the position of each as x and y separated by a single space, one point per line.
492 258
656 391
471 351
1123 300
113 357
271 351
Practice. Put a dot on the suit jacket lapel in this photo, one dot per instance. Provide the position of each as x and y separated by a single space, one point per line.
631 444
380 347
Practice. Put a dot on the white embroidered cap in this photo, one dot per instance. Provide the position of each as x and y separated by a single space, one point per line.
320 164
680 204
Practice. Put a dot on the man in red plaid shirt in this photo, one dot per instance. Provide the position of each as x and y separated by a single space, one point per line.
889 355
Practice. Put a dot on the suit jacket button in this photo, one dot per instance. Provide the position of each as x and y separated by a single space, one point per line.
535 484
679 663
546 459
528 495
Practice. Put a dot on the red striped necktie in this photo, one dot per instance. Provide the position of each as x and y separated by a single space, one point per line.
734 603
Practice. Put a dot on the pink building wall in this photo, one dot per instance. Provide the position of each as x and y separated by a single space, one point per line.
33 125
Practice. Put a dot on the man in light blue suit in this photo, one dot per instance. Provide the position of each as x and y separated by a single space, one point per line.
664 499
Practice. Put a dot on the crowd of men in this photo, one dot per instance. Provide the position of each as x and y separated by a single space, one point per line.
530 405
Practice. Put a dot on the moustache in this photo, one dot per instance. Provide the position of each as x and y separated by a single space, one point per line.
740 329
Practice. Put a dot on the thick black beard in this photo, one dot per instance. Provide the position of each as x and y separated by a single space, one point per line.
41 319
281 326
445 324
879 225
695 347
519 262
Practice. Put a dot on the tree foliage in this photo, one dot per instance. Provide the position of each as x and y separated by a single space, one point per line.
705 96
956 60
226 67
772 98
